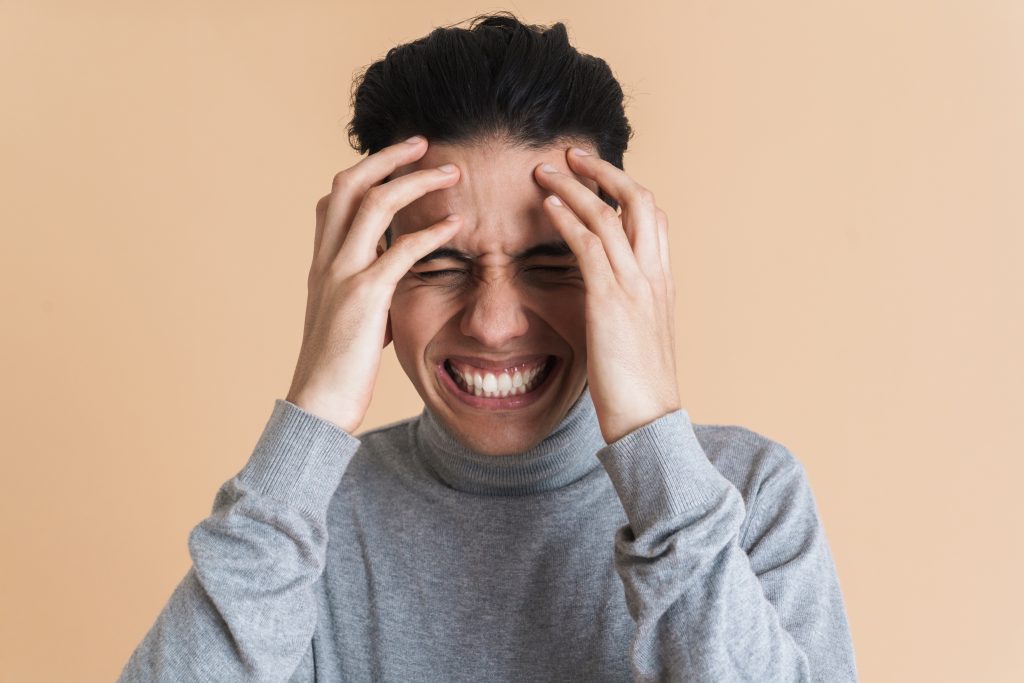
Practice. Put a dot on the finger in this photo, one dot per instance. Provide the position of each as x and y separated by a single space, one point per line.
637 202
588 247
409 248
350 186
594 214
379 207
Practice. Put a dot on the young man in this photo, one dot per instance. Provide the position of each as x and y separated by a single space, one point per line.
552 514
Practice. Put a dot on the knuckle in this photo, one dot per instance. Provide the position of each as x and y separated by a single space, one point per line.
645 197
341 180
591 243
375 198
404 241
322 204
313 277
608 215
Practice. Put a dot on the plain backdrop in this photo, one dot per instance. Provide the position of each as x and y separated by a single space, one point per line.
844 188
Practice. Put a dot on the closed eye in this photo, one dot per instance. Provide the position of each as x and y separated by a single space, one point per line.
433 274
438 273
557 269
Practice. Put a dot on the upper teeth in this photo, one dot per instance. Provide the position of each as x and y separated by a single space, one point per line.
490 384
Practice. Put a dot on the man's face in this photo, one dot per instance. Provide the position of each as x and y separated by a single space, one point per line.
492 312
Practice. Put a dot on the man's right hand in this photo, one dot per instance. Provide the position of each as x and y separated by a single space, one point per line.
351 285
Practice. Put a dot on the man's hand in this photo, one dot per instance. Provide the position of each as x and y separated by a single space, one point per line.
630 295
351 284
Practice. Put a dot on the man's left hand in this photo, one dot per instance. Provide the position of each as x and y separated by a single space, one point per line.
630 294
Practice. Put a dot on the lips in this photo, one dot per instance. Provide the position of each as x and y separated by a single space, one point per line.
509 365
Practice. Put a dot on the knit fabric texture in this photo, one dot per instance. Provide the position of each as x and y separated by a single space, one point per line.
680 552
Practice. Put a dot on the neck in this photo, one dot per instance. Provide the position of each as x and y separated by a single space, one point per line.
566 454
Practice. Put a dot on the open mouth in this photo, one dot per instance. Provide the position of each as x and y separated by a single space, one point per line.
515 386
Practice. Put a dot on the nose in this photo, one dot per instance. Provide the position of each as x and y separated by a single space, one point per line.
494 315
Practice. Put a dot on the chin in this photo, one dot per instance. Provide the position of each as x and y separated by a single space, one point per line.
496 431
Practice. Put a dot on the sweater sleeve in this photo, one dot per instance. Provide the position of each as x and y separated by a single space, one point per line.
246 609
708 604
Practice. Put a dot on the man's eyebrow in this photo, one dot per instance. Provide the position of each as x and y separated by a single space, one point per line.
443 253
555 249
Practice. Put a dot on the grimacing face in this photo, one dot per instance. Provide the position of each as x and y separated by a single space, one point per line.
492 311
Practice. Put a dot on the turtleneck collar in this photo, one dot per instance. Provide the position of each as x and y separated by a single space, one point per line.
565 455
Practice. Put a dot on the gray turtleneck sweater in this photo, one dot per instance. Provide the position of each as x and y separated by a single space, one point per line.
680 552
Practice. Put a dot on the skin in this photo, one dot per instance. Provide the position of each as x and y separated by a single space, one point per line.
497 308
499 311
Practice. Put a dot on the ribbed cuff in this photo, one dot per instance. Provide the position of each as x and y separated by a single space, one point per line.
299 459
661 470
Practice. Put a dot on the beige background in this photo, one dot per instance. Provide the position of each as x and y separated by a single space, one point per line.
843 182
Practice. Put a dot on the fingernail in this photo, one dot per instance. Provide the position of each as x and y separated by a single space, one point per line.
549 168
554 200
580 152
447 168
414 139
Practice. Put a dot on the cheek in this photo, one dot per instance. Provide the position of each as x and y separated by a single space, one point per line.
417 314
566 314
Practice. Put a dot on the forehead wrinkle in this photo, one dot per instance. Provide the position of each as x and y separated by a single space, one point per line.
494 223
488 197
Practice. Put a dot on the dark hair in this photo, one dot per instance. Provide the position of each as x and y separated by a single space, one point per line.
524 84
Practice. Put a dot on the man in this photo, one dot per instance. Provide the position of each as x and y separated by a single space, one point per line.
553 514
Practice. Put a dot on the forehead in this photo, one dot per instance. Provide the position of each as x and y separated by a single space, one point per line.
496 195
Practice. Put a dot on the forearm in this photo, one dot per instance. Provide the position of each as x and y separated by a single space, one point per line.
704 608
246 609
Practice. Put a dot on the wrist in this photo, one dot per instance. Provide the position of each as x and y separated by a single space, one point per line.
325 410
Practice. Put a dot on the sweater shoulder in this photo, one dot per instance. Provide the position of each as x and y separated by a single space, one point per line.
755 463
373 473
387 440
382 448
